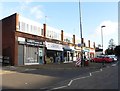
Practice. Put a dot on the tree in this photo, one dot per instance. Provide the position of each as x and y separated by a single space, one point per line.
111 44
117 50
111 47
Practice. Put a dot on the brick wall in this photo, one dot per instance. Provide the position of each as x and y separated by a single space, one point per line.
8 37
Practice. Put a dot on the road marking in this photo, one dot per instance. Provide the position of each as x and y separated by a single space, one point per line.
6 72
81 78
101 70
95 71
59 87
113 64
70 82
90 74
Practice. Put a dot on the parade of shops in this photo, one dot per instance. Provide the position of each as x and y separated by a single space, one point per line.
27 42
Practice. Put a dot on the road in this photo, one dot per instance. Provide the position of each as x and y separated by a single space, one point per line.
78 78
106 78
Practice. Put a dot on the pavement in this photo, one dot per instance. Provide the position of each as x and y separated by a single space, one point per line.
56 66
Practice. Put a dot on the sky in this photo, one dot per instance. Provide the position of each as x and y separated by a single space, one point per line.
65 16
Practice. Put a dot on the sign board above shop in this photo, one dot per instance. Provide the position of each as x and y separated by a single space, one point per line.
54 46
80 45
68 48
30 42
86 49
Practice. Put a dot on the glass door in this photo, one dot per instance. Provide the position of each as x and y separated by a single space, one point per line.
40 57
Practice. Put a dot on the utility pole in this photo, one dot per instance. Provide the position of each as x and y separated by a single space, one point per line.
81 33
102 36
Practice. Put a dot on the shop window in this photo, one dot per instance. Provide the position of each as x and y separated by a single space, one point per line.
22 26
19 25
30 28
42 32
27 28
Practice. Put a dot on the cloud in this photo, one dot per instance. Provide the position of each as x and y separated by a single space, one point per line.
32 10
28 1
37 12
110 31
111 27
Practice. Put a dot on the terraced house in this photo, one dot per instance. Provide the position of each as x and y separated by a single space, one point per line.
27 42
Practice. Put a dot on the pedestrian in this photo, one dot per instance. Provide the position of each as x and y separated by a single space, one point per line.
78 61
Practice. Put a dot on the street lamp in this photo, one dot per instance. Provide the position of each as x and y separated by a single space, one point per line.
81 34
102 36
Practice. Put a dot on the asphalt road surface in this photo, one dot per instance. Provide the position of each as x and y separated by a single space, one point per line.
51 79
106 78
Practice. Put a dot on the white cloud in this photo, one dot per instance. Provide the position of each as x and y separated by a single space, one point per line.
111 27
37 12
110 31
32 10
28 1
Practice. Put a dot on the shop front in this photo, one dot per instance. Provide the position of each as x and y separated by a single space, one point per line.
92 52
76 52
53 52
30 51
68 53
86 53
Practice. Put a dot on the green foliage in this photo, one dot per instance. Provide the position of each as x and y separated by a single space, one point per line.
111 48
117 50
109 51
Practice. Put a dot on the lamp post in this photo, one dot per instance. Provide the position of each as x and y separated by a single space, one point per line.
102 36
81 34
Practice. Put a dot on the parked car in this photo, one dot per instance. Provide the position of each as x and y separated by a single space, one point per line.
97 59
108 59
102 58
113 57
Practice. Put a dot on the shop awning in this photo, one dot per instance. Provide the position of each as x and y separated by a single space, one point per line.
68 48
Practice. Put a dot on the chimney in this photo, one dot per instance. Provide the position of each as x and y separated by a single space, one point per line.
62 35
89 43
94 44
74 39
44 29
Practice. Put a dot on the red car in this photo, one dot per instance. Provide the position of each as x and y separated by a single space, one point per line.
101 59
98 59
108 59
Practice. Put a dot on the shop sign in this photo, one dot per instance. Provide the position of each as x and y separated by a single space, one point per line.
92 50
29 42
54 46
80 45
86 49
69 48
21 40
72 47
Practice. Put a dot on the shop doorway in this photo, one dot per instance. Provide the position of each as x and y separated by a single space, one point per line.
20 54
40 57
